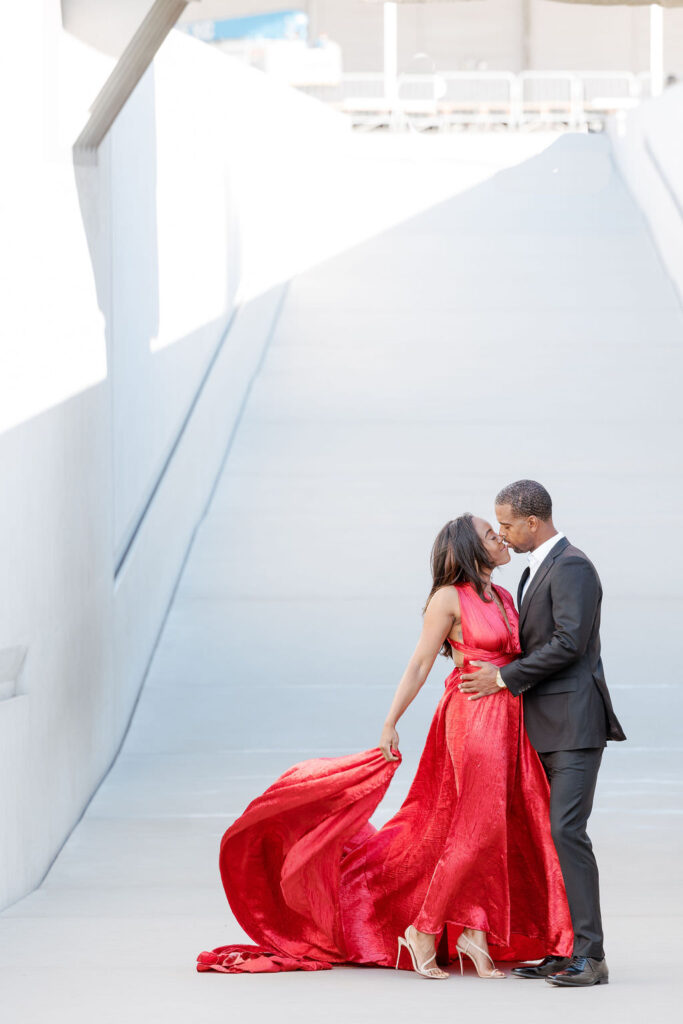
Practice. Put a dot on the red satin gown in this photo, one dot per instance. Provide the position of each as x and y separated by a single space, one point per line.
314 884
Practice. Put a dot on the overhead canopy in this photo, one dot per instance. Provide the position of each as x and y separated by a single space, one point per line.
626 3
594 3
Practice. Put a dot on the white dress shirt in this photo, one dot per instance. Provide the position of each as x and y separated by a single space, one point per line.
538 555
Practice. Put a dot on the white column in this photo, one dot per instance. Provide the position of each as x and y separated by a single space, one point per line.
656 49
390 50
312 11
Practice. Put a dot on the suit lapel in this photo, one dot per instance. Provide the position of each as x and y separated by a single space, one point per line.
541 573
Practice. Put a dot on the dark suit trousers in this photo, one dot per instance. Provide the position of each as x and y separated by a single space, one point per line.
572 775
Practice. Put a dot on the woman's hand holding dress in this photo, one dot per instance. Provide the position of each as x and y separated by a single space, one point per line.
388 743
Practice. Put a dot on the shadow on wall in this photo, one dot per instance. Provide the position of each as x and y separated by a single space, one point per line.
153 385
103 207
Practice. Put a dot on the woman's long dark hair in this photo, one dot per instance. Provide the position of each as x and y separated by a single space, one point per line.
458 556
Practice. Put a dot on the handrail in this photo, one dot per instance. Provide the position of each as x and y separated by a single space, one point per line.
483 97
129 69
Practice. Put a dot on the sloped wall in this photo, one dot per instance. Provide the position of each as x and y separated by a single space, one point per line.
120 382
649 152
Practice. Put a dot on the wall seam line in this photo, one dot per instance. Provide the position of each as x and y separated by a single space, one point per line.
236 425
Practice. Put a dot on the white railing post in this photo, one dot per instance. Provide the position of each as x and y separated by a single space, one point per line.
577 112
573 98
516 97
391 56
656 50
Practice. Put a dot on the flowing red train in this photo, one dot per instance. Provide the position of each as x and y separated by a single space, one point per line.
314 884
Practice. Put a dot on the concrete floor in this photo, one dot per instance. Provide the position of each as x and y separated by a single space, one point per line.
489 307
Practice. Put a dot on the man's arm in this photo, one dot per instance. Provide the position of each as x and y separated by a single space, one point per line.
575 593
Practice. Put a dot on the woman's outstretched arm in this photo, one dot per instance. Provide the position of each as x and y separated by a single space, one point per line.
443 611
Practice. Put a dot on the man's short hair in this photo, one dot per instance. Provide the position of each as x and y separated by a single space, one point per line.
527 498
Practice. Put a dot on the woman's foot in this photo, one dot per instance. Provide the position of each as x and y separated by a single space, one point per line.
473 944
423 951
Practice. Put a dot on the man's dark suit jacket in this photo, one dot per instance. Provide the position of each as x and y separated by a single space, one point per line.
567 705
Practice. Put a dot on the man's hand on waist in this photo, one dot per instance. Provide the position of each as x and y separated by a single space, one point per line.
486 681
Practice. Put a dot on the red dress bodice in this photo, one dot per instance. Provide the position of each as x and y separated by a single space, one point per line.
485 634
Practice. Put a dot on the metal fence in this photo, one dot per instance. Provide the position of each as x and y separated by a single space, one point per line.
487 98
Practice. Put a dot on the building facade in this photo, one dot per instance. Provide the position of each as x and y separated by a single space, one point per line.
511 35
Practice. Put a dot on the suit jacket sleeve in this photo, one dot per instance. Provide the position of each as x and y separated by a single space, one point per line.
575 594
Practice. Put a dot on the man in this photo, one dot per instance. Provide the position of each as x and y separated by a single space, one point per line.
567 708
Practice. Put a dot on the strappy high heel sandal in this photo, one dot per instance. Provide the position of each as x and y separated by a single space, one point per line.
422 969
465 951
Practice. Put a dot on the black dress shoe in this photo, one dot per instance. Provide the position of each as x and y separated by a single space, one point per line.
582 971
550 965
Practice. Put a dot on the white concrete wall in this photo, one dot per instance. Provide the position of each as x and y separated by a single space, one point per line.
213 209
175 259
56 510
192 220
650 156
118 281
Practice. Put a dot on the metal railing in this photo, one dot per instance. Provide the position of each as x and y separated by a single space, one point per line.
572 99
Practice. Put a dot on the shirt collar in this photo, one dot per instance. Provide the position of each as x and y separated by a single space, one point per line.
536 557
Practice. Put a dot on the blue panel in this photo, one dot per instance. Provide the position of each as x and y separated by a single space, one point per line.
273 25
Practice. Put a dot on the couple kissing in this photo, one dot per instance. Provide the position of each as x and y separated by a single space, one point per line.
488 858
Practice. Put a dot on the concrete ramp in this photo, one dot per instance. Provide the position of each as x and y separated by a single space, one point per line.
509 316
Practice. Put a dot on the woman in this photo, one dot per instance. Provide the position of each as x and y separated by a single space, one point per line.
468 859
